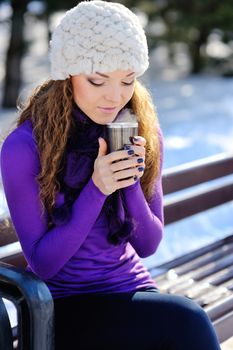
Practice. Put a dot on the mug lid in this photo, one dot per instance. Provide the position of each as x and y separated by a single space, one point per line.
122 125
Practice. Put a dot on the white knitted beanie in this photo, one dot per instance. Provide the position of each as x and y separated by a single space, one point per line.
98 36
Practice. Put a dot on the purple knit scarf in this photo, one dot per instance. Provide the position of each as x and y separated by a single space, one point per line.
78 166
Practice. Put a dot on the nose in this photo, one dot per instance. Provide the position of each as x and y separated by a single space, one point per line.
113 94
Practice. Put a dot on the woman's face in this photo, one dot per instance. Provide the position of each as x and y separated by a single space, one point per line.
101 96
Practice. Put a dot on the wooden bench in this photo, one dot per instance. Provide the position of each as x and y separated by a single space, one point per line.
204 275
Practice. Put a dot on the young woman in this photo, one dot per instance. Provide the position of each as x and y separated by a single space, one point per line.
84 216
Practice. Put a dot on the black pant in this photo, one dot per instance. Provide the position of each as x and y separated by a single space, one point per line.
145 320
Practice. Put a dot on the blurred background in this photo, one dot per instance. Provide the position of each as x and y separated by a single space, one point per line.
190 79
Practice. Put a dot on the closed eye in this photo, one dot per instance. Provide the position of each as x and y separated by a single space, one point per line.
131 83
100 84
92 82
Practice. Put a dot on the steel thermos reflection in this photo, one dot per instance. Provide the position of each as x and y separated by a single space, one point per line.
119 134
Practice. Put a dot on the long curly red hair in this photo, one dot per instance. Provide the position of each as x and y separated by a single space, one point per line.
50 109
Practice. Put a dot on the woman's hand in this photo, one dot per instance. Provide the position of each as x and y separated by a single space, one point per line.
139 146
119 169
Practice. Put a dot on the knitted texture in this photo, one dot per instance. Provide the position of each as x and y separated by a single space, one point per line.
98 36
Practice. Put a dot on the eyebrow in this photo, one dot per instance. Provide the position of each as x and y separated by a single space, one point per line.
107 76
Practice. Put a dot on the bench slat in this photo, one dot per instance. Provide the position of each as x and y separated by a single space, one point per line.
190 204
223 326
197 172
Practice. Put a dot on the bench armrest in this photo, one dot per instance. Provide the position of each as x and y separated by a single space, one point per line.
34 305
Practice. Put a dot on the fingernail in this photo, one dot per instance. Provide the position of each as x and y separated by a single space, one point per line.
140 160
126 147
131 151
131 139
135 177
140 168
136 138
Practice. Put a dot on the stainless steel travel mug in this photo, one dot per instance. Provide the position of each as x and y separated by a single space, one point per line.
119 134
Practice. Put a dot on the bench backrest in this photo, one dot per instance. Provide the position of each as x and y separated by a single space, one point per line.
200 198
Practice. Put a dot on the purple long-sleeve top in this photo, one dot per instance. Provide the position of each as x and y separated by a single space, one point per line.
76 256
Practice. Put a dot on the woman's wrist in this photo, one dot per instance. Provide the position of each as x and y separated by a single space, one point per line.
133 186
96 186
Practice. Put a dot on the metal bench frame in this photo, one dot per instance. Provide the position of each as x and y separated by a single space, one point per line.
34 305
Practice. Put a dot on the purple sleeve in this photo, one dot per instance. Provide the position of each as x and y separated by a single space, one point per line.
148 217
44 249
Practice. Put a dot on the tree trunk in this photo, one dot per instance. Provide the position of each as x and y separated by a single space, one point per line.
198 62
14 55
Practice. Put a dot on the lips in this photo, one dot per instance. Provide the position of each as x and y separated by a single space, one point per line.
108 109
